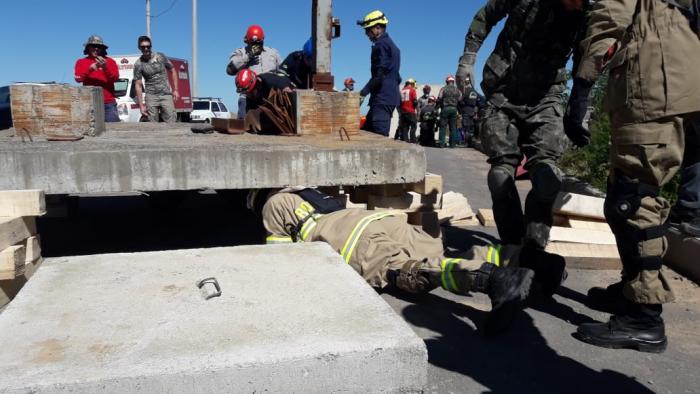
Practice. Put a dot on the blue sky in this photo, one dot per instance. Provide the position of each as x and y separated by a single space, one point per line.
48 35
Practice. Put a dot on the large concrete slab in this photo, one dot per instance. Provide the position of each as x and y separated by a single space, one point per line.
151 157
291 318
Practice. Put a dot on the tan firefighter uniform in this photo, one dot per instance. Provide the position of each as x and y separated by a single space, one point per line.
653 90
374 242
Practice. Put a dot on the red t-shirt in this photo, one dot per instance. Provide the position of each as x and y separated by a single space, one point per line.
408 98
103 78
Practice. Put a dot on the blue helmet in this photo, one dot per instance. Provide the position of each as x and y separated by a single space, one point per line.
308 49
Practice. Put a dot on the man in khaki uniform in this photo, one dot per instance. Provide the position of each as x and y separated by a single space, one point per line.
652 55
385 250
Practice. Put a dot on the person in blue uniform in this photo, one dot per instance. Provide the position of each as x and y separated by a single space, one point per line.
383 87
298 66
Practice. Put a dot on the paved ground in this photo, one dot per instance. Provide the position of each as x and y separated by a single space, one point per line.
538 355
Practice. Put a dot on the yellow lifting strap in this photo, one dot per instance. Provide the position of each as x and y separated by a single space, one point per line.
448 281
360 228
494 255
278 240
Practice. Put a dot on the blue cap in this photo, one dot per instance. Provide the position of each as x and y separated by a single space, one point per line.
308 48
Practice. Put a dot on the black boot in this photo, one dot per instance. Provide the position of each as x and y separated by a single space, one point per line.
507 288
607 299
686 220
549 268
640 328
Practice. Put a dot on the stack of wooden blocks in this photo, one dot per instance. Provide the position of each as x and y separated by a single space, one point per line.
424 203
20 253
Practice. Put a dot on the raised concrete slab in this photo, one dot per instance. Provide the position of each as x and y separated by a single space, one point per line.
151 157
291 318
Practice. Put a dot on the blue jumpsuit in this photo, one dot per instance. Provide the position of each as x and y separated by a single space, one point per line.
383 86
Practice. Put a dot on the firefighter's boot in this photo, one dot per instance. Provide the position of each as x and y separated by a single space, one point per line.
549 268
507 288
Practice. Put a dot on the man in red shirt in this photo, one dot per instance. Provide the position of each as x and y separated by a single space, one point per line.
96 69
408 121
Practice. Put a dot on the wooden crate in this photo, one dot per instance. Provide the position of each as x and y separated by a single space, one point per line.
57 111
326 112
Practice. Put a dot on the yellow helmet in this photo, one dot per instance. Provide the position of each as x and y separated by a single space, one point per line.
411 81
372 19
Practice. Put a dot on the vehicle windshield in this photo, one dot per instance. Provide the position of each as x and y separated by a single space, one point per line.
120 87
200 105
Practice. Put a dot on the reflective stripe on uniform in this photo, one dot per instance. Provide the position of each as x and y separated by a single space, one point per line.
360 227
309 225
278 240
448 281
494 255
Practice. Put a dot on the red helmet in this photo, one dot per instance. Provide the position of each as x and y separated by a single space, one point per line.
449 79
255 33
348 81
246 81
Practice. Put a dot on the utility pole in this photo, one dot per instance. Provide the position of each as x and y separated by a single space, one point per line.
194 48
148 18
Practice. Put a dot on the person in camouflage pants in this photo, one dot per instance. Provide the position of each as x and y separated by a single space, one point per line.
524 81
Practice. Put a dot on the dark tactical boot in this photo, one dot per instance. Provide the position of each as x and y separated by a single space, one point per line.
686 220
507 288
640 328
607 299
549 268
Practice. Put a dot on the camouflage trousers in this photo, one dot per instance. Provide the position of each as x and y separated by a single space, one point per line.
509 133
160 107
643 158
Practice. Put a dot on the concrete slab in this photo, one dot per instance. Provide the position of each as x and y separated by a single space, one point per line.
291 318
153 157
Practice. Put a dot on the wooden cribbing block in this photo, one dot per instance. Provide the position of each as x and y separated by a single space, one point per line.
15 203
683 254
427 220
10 288
319 112
571 204
407 202
455 207
432 183
12 260
582 236
588 224
587 256
485 217
15 230
32 248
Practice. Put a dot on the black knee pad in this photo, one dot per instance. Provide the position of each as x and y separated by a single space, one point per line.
546 181
623 200
501 180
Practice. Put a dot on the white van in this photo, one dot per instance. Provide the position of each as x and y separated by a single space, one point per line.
206 108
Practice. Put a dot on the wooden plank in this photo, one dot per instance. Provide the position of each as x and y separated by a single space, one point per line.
32 248
571 204
582 236
485 217
560 220
455 207
15 230
15 203
10 288
12 260
407 202
472 221
432 183
588 224
319 112
682 254
587 256
428 221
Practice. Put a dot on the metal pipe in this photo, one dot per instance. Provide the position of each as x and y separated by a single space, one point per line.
194 48
321 21
148 18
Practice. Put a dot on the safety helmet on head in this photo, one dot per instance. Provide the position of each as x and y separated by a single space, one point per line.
308 49
372 19
95 40
411 81
246 80
254 33
449 79
348 81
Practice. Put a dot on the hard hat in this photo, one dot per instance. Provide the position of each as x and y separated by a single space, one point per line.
95 40
308 49
246 81
348 81
427 88
432 98
411 81
254 33
449 79
372 19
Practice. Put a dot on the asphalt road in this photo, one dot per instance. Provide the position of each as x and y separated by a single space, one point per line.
539 354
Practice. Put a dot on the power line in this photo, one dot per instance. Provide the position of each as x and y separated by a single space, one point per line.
166 10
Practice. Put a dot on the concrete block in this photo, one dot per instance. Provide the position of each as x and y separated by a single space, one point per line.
291 318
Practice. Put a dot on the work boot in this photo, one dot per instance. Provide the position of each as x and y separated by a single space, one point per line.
686 220
549 268
640 328
607 299
507 288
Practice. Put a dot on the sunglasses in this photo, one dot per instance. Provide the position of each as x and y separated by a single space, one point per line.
144 47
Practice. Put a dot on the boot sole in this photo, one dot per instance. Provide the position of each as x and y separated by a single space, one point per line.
642 346
499 320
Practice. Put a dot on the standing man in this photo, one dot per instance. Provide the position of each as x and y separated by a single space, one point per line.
97 69
428 119
448 99
423 100
153 68
255 56
651 52
408 122
468 108
524 81
349 84
384 84
298 66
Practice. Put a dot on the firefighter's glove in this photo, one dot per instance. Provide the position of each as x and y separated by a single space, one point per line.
255 50
465 70
576 113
